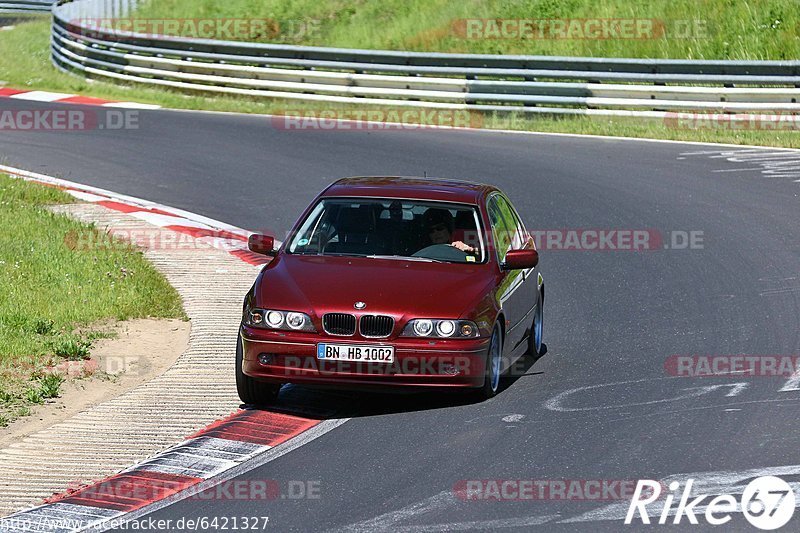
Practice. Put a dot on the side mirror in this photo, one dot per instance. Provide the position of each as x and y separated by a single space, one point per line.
520 259
261 244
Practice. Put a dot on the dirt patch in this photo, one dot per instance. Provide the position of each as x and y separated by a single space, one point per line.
141 350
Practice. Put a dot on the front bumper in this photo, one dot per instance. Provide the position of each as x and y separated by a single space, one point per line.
418 362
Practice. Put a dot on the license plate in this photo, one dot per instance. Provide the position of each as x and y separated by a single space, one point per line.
355 352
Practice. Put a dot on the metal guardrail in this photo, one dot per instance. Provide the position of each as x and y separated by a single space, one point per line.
26 6
543 84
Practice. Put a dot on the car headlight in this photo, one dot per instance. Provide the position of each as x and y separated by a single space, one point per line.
429 327
273 319
295 320
445 328
422 328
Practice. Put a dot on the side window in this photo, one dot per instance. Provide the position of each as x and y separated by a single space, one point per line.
520 234
504 228
307 238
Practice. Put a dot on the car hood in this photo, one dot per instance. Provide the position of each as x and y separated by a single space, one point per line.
322 284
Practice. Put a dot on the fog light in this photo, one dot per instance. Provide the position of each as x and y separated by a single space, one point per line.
265 358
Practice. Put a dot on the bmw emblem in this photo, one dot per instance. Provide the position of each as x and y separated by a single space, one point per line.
359 305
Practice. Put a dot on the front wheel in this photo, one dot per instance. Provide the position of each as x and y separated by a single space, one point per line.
494 360
252 391
537 329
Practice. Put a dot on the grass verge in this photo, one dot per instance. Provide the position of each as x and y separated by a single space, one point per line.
686 29
26 64
54 295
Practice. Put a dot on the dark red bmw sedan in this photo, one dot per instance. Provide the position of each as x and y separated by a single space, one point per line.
393 282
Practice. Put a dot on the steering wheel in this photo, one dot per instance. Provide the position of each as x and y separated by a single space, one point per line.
442 252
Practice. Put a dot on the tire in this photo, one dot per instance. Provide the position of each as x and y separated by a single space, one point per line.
536 337
252 391
494 360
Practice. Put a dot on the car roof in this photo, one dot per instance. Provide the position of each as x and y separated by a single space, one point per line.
417 188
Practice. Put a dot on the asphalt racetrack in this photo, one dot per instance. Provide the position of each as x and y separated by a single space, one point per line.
604 404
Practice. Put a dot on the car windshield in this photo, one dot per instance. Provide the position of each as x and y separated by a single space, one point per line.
391 228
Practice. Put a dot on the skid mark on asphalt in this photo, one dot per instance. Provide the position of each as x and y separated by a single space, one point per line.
666 400
556 403
793 383
711 483
395 521
785 290
705 483
657 414
392 520
771 163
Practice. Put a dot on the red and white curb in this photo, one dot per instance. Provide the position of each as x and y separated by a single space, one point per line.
212 232
226 449
223 450
65 98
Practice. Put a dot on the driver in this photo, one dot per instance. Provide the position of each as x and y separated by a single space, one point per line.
438 225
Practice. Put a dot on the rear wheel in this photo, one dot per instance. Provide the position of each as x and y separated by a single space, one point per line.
252 391
494 360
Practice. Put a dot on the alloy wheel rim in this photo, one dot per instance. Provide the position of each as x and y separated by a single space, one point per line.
495 360
537 330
